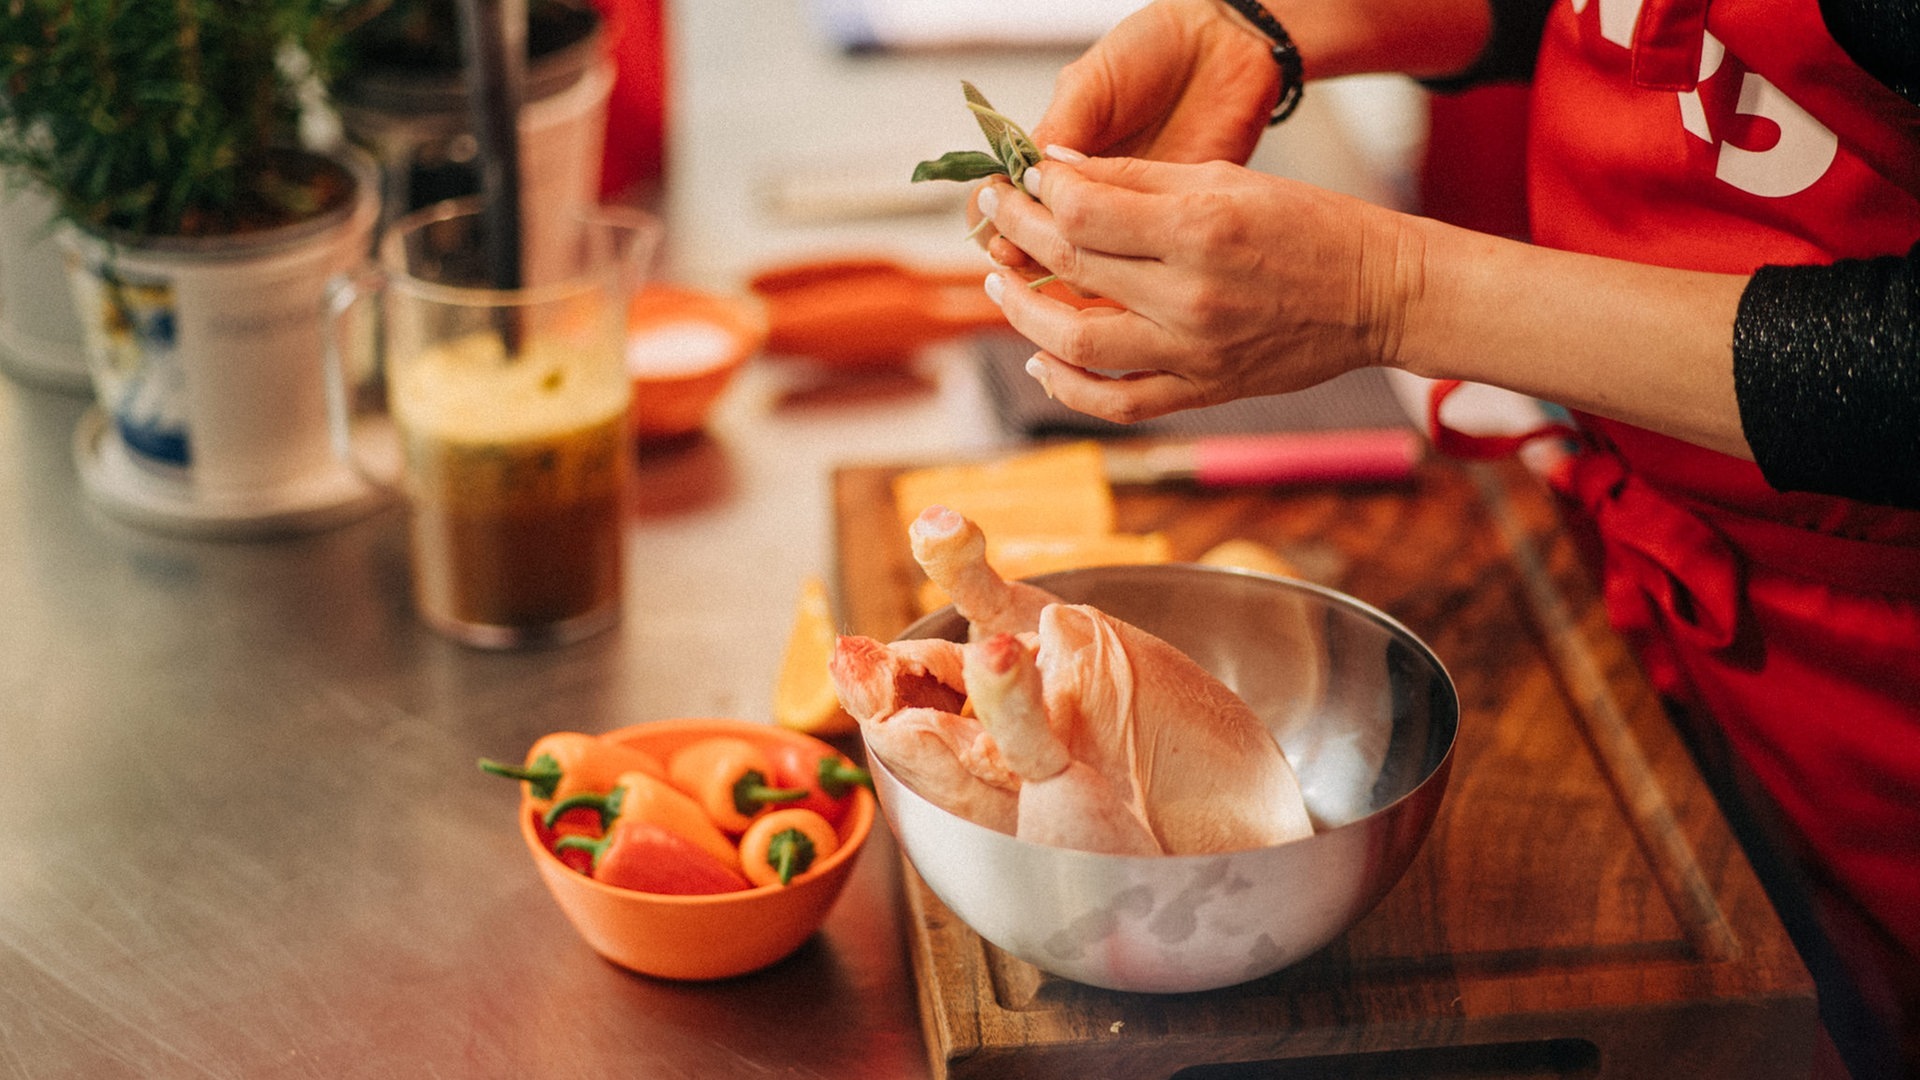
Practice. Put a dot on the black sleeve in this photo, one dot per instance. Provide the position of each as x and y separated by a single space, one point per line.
1826 366
1511 48
1882 36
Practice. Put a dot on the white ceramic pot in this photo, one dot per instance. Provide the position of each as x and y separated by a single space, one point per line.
207 356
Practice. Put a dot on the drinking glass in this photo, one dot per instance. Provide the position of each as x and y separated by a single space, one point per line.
500 413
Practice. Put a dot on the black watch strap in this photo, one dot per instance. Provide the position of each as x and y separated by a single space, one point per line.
1285 55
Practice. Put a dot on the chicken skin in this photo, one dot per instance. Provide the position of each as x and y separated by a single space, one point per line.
907 699
1063 802
1204 772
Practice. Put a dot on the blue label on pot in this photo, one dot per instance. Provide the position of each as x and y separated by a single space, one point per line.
131 326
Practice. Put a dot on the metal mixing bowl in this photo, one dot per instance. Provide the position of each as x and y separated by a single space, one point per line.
1363 710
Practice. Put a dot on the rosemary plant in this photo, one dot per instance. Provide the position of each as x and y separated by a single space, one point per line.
169 117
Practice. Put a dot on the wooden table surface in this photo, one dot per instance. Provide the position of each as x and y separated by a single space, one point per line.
1580 906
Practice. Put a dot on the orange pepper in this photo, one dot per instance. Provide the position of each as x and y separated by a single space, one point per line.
637 796
784 844
567 762
728 777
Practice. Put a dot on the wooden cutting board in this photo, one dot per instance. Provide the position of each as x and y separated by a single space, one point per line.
1580 907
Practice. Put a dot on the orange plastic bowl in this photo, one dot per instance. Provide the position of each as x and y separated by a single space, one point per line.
701 937
684 348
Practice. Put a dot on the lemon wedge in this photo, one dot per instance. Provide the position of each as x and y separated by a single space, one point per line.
1246 554
803 697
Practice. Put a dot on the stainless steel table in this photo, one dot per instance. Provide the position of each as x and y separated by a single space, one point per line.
242 834
241 830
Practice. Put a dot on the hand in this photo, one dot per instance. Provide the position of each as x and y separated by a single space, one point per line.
1229 283
1178 80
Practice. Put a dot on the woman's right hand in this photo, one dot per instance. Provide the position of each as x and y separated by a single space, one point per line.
1178 80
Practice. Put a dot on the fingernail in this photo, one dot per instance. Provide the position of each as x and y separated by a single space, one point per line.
1064 153
996 285
989 200
1039 372
1031 180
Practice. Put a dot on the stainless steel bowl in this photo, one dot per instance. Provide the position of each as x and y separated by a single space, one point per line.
1362 708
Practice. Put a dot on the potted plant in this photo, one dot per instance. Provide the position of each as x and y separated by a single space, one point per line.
201 235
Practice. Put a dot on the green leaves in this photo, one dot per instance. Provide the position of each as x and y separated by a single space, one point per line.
1010 144
959 165
162 116
1013 151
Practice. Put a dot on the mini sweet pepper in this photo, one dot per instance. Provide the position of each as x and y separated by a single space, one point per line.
728 777
641 855
566 762
637 796
783 844
826 774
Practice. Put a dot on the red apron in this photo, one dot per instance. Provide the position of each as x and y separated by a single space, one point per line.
1721 136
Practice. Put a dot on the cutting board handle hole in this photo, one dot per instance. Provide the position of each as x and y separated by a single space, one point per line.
1494 1061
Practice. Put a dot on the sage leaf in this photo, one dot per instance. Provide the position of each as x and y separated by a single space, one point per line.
959 165
1013 150
1016 150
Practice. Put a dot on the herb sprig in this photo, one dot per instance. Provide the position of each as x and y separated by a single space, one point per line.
1013 151
1013 154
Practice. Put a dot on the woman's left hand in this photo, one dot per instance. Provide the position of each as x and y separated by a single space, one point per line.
1230 283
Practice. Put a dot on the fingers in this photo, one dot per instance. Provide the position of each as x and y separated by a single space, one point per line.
1103 337
1032 236
1123 399
1060 211
1102 223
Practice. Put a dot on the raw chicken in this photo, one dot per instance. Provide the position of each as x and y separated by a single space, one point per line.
953 552
1063 802
907 701
1201 768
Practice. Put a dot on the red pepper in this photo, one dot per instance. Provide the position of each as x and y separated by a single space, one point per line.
824 772
573 824
639 796
640 855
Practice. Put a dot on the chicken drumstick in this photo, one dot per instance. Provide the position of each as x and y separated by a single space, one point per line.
1204 770
1063 802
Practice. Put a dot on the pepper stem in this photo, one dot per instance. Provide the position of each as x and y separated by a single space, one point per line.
789 852
837 777
594 846
751 793
541 775
607 806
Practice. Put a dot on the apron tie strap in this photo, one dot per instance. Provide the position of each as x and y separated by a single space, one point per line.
1669 574
1666 570
1459 444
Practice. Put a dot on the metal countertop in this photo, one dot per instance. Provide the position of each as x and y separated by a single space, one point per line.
242 834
